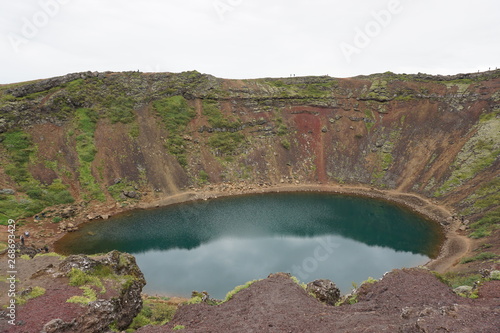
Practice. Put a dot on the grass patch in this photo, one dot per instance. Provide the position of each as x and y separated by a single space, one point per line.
484 226
134 130
455 280
480 257
50 254
19 147
79 278
116 190
216 119
34 293
226 143
154 312
89 295
203 177
86 122
478 154
286 144
297 281
179 327
121 109
237 289
176 115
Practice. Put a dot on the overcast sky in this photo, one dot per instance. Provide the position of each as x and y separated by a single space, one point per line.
247 38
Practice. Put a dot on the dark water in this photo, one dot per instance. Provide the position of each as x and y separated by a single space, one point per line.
218 244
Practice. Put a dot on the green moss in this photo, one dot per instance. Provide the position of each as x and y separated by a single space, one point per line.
487 196
370 280
121 109
20 151
176 115
480 257
179 327
486 224
297 281
175 112
116 190
86 122
216 119
237 289
79 278
286 144
50 254
404 98
19 147
89 295
34 293
293 88
13 208
478 154
134 130
226 143
194 300
203 177
140 321
455 280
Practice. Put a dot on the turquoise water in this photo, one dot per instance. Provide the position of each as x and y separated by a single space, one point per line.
217 244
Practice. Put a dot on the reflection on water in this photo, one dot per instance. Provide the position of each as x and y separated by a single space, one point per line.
216 245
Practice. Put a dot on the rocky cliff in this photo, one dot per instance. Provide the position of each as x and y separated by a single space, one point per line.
126 137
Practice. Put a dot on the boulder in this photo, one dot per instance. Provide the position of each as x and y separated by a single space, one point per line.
463 290
7 191
325 290
57 325
68 212
78 261
130 194
494 275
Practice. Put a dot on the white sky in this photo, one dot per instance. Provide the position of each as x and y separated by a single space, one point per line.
247 38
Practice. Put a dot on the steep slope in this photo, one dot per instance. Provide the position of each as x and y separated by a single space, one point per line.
409 300
106 137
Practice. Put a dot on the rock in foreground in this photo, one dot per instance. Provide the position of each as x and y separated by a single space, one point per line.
76 294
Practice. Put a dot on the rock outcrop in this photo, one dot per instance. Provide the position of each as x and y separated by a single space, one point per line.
324 290
111 285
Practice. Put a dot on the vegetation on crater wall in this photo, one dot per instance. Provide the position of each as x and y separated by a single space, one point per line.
20 153
307 88
478 154
176 115
226 143
216 119
86 122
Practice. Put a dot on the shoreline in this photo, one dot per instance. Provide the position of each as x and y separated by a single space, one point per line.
454 248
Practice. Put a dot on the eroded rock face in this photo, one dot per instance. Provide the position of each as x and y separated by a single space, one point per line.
325 290
121 310
117 298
